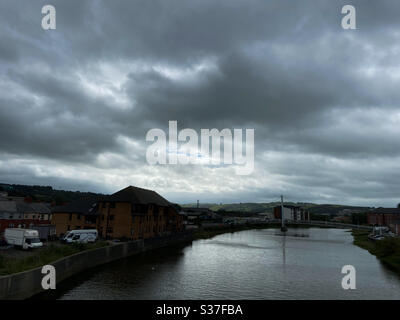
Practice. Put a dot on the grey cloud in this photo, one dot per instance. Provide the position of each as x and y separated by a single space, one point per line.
285 68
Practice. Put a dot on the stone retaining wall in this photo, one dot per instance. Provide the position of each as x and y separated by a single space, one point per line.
25 284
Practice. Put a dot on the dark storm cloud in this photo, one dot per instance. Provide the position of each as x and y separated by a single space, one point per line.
286 68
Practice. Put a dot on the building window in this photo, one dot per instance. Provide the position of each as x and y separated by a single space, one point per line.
68 228
112 205
104 205
70 217
11 225
109 230
90 219
77 227
111 217
79 217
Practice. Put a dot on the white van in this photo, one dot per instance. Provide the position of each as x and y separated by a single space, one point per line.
25 238
80 236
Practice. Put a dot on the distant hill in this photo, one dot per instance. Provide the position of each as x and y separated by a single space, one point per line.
252 207
44 193
48 194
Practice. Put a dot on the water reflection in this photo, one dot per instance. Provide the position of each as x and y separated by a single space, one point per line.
284 252
253 264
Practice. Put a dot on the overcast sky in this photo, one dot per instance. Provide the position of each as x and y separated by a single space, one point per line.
76 102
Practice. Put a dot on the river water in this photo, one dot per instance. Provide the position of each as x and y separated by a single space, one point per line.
253 264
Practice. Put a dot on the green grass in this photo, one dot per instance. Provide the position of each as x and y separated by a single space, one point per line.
387 250
44 256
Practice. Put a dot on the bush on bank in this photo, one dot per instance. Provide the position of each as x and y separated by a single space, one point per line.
387 250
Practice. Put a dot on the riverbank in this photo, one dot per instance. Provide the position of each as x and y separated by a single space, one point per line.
25 284
252 264
16 260
387 250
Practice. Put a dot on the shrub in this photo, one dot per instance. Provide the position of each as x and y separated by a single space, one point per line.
388 247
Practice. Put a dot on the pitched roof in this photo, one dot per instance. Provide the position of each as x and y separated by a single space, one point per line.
8 206
130 194
40 207
85 206
23 207
386 210
137 195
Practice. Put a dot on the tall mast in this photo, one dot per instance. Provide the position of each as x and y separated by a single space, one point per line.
282 222
283 227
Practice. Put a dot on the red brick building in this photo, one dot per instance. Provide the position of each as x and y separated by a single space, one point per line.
389 217
18 214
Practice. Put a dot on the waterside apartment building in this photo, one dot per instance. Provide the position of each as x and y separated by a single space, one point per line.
131 213
291 213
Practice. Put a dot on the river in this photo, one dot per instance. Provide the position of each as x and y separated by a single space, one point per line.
305 263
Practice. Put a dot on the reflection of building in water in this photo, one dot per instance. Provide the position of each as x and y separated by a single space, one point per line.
284 251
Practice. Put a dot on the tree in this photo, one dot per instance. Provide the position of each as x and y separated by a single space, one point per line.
398 206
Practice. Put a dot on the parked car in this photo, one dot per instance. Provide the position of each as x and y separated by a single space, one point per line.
24 238
80 236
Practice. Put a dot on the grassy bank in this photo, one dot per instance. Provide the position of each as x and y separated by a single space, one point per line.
9 265
387 250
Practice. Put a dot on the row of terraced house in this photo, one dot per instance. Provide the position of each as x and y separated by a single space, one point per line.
18 212
131 213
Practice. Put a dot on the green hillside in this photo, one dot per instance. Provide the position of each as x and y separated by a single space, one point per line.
251 207
48 194
44 193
